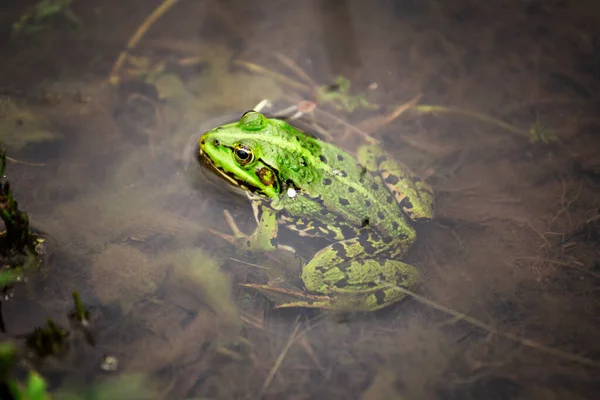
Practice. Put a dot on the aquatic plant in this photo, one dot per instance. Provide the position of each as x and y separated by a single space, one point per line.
20 247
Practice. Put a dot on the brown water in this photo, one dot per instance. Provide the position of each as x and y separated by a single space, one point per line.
131 220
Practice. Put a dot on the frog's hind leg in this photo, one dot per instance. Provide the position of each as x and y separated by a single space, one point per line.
351 294
354 280
414 195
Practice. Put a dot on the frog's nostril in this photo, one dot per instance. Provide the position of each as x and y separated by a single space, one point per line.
216 142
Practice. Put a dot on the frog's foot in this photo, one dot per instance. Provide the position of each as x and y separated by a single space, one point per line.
285 297
237 349
262 240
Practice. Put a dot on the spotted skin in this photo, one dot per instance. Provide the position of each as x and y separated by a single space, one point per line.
363 205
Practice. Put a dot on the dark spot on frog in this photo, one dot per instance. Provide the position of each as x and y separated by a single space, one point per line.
301 225
406 203
392 179
389 199
380 215
374 186
351 189
343 201
342 283
365 241
368 203
339 249
364 222
345 266
285 215
320 269
347 231
326 181
319 201
324 211
340 157
387 239
380 159
323 159
361 180
395 225
379 297
343 174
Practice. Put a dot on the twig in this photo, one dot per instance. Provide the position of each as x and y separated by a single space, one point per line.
248 264
511 336
365 135
561 263
372 124
14 160
281 357
428 109
137 36
276 75
291 64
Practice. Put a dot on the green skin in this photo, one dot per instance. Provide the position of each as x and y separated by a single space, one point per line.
363 205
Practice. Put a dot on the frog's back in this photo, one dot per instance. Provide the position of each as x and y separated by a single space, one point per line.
347 195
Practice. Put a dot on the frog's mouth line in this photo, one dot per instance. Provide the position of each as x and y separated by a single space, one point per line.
209 164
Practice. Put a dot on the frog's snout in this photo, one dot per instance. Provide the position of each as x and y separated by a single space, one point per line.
200 150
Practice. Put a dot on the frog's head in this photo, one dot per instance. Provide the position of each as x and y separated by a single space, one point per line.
235 153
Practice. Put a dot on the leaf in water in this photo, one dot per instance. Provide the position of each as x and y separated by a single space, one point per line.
7 278
210 284
540 133
37 16
36 387
128 386
19 126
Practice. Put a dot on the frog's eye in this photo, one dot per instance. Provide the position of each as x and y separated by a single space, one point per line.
243 155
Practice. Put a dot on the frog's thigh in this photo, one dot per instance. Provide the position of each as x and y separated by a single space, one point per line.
393 277
345 267
264 237
413 194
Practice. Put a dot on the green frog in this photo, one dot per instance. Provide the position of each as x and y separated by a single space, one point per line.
365 206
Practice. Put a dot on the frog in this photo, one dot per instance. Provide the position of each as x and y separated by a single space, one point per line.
366 205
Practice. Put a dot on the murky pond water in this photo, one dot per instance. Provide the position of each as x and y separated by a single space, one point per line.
492 103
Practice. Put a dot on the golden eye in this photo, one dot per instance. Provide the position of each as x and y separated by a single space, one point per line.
243 155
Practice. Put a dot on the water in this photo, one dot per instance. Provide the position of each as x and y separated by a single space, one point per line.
137 228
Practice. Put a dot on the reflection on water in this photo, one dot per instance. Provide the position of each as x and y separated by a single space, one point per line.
137 228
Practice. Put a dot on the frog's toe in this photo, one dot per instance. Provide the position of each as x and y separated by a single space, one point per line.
323 304
230 238
285 297
238 348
